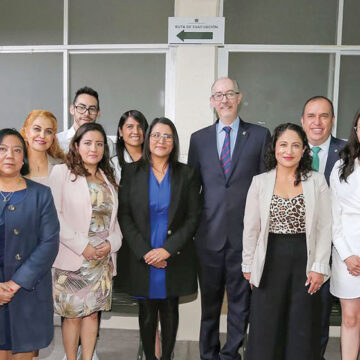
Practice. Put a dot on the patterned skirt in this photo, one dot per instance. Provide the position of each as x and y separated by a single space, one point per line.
85 291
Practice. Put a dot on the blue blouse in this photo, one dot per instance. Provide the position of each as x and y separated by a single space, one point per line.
159 202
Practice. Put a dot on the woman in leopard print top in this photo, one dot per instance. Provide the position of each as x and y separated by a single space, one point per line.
287 242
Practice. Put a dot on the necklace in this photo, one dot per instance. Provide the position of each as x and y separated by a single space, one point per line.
7 197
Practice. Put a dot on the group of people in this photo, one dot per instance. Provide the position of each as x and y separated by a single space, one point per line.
251 213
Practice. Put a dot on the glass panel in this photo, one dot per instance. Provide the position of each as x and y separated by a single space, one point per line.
275 86
280 21
119 22
30 82
123 81
349 100
35 22
351 29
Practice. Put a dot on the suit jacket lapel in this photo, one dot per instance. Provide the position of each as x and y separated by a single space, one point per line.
268 193
213 151
142 187
309 197
176 183
240 142
333 156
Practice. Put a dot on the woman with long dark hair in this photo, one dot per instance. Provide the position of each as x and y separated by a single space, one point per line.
345 280
286 250
159 209
85 194
130 134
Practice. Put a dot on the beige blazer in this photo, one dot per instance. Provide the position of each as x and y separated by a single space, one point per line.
73 204
257 219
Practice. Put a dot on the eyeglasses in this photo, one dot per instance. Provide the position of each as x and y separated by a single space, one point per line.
82 109
230 95
157 136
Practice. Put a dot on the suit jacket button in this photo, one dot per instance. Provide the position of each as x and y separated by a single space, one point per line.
11 207
178 252
169 232
18 257
16 232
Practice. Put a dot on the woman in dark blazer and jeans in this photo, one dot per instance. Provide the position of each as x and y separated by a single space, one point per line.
159 210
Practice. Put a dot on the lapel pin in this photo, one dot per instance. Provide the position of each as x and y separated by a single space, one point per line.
244 133
336 150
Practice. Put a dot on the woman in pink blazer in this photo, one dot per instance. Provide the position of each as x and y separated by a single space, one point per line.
85 195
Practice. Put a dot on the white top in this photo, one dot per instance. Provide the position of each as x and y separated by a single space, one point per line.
323 154
345 230
65 137
114 162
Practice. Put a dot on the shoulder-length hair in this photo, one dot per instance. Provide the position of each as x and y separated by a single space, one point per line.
54 150
305 165
74 161
120 144
174 155
351 151
25 169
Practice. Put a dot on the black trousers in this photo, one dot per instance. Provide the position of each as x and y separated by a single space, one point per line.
220 270
169 320
285 321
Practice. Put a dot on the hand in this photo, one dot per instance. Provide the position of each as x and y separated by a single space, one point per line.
89 253
315 280
353 265
161 265
103 250
247 276
155 256
7 292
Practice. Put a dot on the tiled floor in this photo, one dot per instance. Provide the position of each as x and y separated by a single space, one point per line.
123 344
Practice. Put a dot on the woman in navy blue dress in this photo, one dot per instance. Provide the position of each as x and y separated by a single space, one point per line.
159 209
29 242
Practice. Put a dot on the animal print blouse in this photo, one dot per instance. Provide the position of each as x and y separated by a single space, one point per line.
287 216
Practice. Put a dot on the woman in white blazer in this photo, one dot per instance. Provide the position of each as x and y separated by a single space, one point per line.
85 196
345 280
286 250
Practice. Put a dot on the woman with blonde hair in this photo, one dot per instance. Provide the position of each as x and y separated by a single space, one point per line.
39 130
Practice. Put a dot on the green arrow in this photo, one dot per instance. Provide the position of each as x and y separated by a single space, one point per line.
188 35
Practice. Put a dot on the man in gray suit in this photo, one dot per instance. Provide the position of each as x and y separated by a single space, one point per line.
317 121
228 154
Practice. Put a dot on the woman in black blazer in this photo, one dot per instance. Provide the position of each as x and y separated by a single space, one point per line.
159 210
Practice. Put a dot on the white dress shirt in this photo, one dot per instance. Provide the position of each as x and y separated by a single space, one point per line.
323 154
65 137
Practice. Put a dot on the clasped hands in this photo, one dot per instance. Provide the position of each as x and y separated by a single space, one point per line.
7 291
157 258
353 265
97 253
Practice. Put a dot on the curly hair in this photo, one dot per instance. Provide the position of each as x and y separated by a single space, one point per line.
351 151
303 171
74 161
54 150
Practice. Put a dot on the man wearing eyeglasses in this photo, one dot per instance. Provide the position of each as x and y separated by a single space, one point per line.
317 121
228 154
85 108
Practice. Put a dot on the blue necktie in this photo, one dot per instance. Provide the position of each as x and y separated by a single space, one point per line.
225 156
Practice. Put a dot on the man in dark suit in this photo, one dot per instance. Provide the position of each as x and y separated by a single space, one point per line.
228 154
317 121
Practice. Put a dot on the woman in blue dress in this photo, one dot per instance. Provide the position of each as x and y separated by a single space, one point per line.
159 210
29 242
